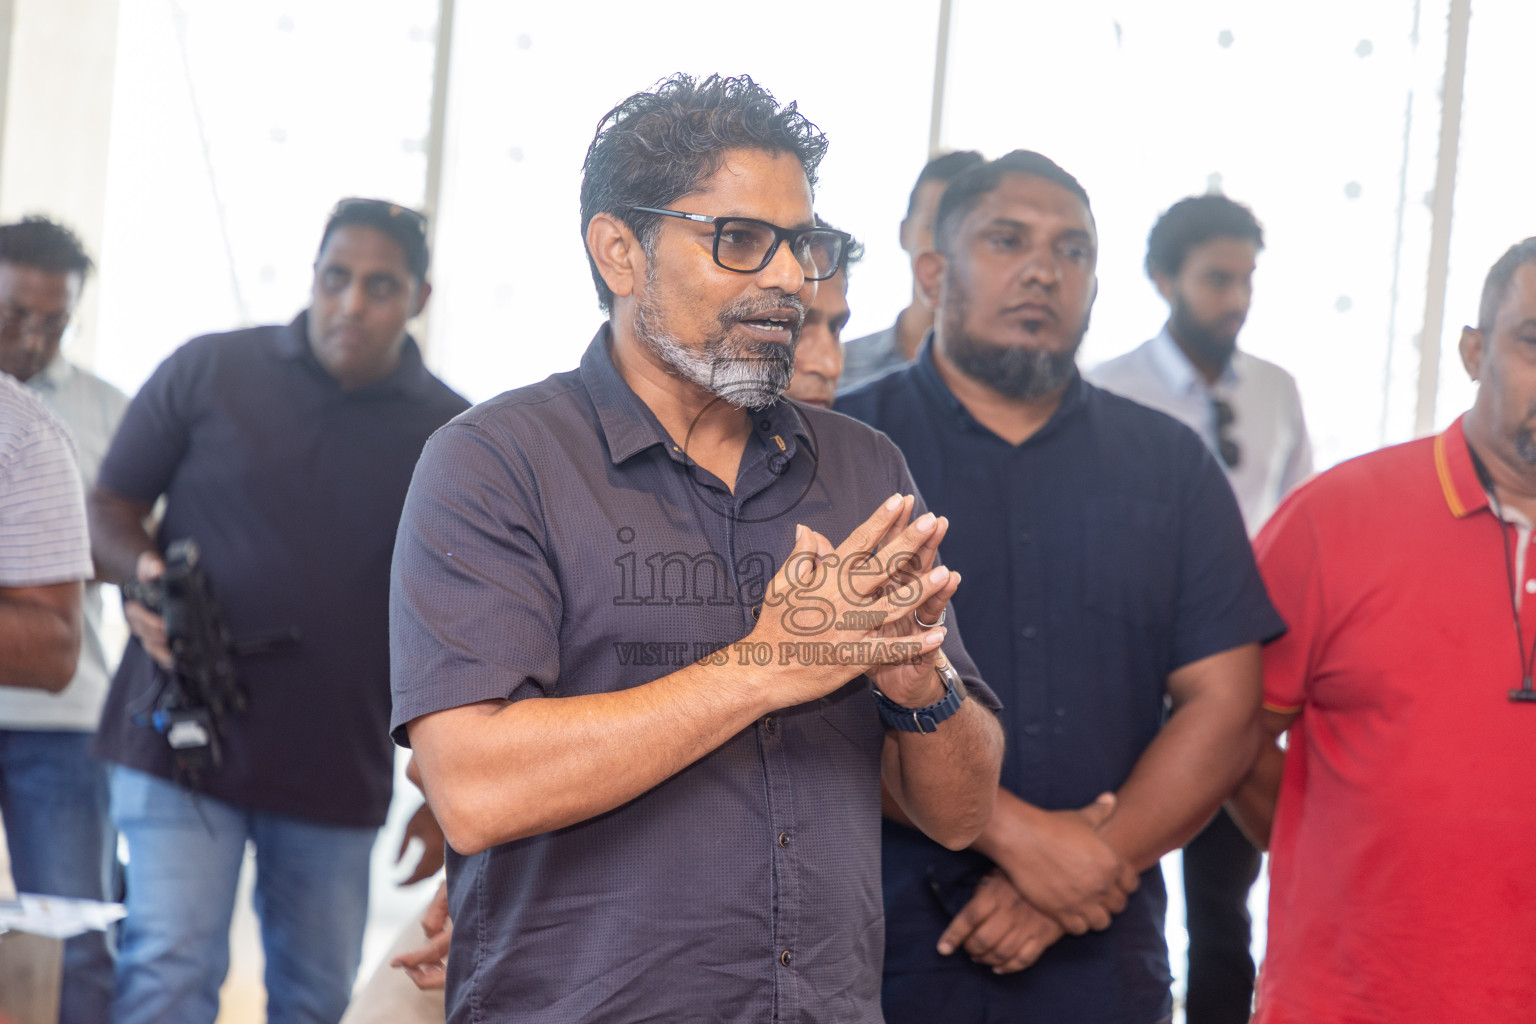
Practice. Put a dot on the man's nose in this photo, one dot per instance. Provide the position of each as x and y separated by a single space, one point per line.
34 337
354 300
1040 266
783 272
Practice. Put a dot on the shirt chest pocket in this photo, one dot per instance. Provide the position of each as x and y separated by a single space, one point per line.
1131 559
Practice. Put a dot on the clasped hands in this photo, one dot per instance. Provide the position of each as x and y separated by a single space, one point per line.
873 604
1055 875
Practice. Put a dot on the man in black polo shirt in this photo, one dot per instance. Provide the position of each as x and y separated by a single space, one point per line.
652 705
285 453
1107 572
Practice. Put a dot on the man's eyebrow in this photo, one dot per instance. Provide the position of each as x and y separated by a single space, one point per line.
1527 324
804 225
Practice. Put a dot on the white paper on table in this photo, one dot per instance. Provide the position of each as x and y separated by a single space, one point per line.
57 917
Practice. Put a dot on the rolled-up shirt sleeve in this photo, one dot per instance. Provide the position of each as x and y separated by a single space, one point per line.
474 606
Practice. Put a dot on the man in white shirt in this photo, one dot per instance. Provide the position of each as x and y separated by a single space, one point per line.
1201 256
53 794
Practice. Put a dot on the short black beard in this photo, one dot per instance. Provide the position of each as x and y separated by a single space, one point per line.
1206 346
1019 373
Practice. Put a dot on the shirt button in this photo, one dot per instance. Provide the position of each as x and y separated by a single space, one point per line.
785 958
1029 632
764 425
784 839
1032 729
770 725
1530 586
757 610
1023 536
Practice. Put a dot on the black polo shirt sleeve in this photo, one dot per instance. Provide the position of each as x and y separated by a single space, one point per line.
1222 602
156 428
475 607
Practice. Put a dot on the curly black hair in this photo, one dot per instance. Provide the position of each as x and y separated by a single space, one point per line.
658 146
1193 222
44 244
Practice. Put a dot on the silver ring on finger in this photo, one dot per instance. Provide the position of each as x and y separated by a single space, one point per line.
930 625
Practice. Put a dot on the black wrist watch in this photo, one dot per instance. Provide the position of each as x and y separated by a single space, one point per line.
899 716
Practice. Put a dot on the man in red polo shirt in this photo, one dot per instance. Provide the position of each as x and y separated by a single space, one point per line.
1399 888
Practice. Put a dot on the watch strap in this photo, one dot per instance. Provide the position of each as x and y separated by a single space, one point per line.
927 719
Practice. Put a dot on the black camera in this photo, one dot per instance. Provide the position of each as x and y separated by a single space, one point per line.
200 692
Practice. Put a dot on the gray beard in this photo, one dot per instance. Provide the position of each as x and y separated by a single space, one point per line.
746 375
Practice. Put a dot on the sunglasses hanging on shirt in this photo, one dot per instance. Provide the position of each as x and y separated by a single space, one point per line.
1230 452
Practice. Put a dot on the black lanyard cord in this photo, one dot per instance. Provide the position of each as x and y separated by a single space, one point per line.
1526 692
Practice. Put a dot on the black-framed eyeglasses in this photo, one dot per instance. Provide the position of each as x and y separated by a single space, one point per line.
1230 451
745 245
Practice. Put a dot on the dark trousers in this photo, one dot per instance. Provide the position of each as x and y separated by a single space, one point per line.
1220 866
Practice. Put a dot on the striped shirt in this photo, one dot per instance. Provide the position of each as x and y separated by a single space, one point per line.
43 538
90 410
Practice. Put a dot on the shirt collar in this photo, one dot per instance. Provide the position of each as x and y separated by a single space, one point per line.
630 427
410 377
1459 482
53 376
1180 374
926 372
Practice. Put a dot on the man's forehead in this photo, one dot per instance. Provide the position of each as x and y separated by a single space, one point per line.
1226 250
757 183
359 243
1030 199
21 278
832 296
1519 303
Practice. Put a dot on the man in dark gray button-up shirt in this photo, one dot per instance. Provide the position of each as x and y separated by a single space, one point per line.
653 706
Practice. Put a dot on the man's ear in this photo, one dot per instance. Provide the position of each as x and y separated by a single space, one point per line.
423 293
929 272
1165 286
617 252
901 236
1471 347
